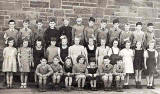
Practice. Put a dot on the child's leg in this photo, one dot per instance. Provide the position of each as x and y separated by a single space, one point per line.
58 79
83 81
151 79
22 77
105 80
26 77
117 81
136 76
70 81
94 83
91 83
79 82
140 75
40 82
110 81
147 78
8 79
11 78
54 79
66 81
44 82
126 79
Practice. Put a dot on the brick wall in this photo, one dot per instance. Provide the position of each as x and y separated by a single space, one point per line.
127 10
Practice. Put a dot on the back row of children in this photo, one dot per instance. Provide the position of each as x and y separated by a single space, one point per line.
89 43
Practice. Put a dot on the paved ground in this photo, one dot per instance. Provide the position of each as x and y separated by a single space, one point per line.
35 91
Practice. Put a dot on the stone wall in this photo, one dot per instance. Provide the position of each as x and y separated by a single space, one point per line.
126 10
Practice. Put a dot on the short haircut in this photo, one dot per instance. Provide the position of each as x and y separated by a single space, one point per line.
103 21
56 57
115 21
44 58
53 39
92 19
39 21
127 42
53 20
26 21
106 57
149 24
81 56
139 23
11 21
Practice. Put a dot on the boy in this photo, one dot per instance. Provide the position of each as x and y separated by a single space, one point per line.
115 31
126 35
89 31
102 32
11 32
51 31
106 71
149 34
138 34
78 30
26 32
38 31
43 71
119 73
66 30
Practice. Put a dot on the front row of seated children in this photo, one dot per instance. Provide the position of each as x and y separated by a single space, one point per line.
80 72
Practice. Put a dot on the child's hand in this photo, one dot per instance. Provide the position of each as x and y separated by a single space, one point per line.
145 67
95 75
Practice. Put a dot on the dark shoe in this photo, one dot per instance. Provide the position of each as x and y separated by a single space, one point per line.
119 89
148 87
92 88
125 86
95 89
106 89
151 87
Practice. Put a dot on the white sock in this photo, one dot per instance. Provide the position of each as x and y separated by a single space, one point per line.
125 83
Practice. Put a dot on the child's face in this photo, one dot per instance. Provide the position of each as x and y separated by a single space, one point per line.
52 24
139 27
25 24
11 25
116 25
115 43
11 43
151 45
91 41
39 24
43 61
68 61
138 45
90 23
25 44
76 41
150 28
39 43
79 21
81 60
56 61
103 42
66 22
103 25
92 64
64 41
106 61
53 43
127 27
128 45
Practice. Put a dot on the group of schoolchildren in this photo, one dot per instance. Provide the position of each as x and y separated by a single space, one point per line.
80 52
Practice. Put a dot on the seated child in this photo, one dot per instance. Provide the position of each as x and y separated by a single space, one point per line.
79 70
106 71
92 74
68 66
57 71
43 71
119 73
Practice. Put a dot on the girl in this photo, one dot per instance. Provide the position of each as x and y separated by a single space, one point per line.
76 50
57 71
91 49
79 70
52 50
68 66
92 74
114 51
127 55
38 53
9 62
150 63
138 63
25 60
101 52
63 49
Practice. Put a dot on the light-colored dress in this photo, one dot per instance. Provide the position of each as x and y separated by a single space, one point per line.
101 52
9 62
127 55
26 57
51 52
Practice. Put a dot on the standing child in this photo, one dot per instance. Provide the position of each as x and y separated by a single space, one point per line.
127 55
52 50
92 74
106 70
68 73
63 49
9 62
26 32
138 63
57 71
79 70
43 71
76 50
150 63
119 73
101 52
25 59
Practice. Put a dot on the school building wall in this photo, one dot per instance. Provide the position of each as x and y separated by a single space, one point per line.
126 10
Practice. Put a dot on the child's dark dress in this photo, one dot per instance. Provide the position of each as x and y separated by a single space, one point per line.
68 69
92 71
139 60
91 53
63 53
151 62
